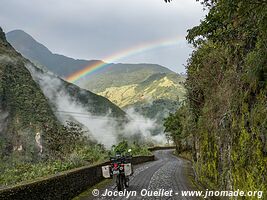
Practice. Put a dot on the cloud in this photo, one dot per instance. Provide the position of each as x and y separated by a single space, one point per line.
94 29
103 128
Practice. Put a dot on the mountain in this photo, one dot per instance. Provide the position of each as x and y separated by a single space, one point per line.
24 109
65 66
65 97
128 74
33 101
156 86
150 89
135 81
154 98
40 55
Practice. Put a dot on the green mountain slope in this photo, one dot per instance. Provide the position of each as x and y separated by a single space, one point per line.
116 75
24 108
60 65
33 140
63 95
29 99
157 86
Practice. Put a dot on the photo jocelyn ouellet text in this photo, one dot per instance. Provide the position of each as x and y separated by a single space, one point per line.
170 193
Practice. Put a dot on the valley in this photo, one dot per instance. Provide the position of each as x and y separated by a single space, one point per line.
150 90
149 95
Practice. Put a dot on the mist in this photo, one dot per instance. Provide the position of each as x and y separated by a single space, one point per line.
102 128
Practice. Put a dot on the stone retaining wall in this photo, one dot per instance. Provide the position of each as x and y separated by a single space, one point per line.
65 185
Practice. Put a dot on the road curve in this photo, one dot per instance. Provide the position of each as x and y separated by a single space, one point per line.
167 172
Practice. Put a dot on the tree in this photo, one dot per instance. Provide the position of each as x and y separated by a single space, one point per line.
174 128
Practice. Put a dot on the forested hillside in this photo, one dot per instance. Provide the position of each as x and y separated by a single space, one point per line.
169 87
224 122
33 141
24 108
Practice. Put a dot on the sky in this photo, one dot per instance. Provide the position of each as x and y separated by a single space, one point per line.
97 29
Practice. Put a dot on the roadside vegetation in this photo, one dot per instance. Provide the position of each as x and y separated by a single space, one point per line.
71 151
74 150
223 122
136 148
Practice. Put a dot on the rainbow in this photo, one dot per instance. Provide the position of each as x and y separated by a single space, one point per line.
123 54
